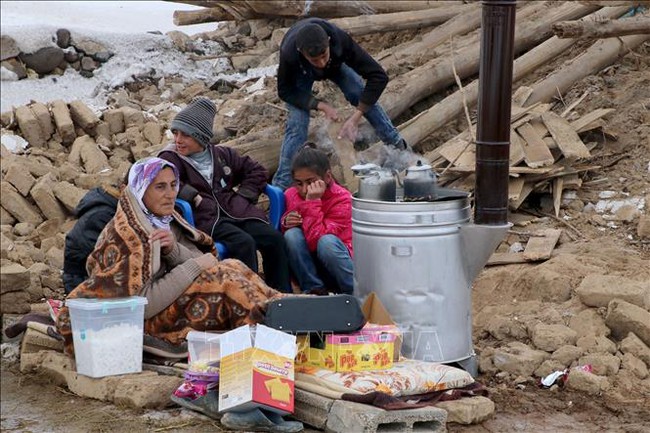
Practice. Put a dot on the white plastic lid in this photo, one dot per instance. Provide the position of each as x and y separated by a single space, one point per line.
105 303
202 336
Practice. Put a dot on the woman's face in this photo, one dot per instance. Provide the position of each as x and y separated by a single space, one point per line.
303 177
160 195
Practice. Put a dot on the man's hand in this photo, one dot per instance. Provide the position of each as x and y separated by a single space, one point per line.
166 238
315 190
329 111
292 219
350 127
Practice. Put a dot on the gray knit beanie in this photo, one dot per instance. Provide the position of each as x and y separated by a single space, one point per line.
196 120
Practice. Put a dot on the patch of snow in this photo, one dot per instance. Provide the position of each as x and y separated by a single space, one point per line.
7 75
614 205
14 143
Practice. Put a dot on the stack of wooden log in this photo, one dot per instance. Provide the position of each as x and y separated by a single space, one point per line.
547 149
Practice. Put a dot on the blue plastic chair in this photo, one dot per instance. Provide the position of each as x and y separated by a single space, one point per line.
276 209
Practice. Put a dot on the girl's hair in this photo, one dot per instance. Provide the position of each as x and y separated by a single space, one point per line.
311 158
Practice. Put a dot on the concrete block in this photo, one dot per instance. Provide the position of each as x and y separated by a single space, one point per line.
312 409
633 344
46 201
30 127
115 120
599 290
146 390
345 417
63 121
68 194
20 178
30 362
467 411
14 302
98 388
83 116
6 218
14 278
623 318
44 118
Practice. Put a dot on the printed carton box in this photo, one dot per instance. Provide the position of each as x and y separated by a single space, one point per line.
365 350
257 370
375 313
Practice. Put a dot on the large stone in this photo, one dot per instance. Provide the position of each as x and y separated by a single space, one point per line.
549 366
633 344
20 178
14 302
63 121
596 344
63 38
15 66
115 120
6 218
46 201
634 365
17 205
567 354
518 359
44 118
552 337
88 46
132 117
24 229
30 127
346 417
54 257
152 132
49 228
44 60
623 318
598 290
587 382
83 116
467 411
643 229
93 159
68 194
589 322
603 364
14 278
8 47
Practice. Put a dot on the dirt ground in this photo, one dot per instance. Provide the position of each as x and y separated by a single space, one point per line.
596 245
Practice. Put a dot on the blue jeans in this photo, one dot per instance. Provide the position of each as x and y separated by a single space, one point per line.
297 128
332 258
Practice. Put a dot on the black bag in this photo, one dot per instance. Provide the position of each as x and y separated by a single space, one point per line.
306 314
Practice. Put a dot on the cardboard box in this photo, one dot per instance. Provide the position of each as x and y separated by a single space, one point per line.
375 313
257 370
368 349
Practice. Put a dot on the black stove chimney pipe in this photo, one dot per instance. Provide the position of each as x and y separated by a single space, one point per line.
495 95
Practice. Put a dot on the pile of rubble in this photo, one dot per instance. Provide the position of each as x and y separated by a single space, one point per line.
83 55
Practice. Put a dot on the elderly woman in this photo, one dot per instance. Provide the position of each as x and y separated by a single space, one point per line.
148 250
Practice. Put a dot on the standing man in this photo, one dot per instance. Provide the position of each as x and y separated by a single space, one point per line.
223 187
314 49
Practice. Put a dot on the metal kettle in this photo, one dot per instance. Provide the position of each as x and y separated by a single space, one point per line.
375 183
420 183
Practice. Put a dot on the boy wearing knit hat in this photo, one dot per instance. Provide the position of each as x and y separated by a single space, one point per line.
209 175
313 50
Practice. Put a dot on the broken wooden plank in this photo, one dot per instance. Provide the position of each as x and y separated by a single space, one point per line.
506 259
521 94
558 187
585 120
572 181
567 139
541 248
459 152
515 186
516 148
539 126
525 192
536 152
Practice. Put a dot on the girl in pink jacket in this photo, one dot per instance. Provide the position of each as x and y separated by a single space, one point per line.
317 225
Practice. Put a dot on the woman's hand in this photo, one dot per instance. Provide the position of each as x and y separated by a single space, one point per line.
166 238
292 219
315 190
206 261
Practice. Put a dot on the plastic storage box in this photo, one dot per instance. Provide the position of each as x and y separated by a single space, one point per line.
203 347
107 335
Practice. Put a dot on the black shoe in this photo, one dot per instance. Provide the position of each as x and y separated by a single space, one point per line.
159 347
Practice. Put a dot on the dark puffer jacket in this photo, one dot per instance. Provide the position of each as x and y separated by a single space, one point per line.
220 200
94 211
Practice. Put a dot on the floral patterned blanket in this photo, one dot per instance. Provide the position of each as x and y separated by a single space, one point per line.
406 377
